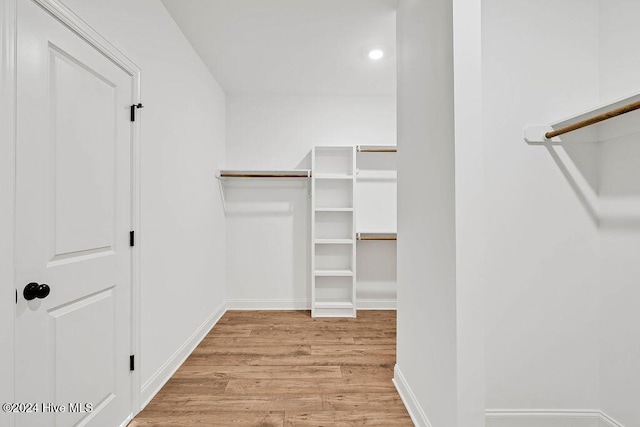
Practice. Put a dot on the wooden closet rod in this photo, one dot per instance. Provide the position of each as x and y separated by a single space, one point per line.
374 149
367 236
592 121
249 175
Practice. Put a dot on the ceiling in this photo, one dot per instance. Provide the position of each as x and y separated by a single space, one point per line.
293 47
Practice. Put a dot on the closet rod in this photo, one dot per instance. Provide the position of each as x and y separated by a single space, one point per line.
269 174
376 149
602 117
367 236
238 175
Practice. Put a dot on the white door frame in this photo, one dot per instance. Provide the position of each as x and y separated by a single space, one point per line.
8 44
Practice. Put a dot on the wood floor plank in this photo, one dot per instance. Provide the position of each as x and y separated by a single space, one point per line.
353 350
279 350
305 360
318 339
347 418
225 402
276 368
258 372
361 401
380 372
363 340
301 333
222 419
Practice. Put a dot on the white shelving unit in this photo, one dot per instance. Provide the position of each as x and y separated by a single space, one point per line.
333 246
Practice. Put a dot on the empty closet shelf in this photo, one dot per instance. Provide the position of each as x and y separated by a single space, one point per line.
334 304
333 241
332 176
333 273
334 209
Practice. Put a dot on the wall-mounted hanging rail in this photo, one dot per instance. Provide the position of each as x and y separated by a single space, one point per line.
292 173
225 174
592 121
542 134
377 149
376 236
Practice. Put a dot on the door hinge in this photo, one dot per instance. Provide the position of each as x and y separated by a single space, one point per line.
132 238
134 107
132 363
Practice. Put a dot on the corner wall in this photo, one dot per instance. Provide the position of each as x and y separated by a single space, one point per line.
426 345
183 142
619 333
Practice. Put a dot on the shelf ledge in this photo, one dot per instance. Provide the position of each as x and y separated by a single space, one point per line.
334 273
333 241
334 209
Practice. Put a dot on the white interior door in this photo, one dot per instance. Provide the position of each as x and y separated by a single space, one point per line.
73 216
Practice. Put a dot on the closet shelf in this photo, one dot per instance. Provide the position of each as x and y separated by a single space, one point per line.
332 176
377 148
334 209
334 273
376 236
334 304
594 125
275 173
376 175
333 241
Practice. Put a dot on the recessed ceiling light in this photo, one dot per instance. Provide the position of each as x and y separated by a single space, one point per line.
376 54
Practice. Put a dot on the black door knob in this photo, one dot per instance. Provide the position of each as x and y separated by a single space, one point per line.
34 290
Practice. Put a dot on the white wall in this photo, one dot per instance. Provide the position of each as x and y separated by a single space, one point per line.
470 212
426 346
620 243
268 221
540 64
183 143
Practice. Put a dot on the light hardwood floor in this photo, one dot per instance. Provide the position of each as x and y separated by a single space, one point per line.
283 368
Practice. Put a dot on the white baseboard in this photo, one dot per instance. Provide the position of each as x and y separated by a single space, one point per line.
607 421
548 418
416 413
291 304
151 387
376 304
268 304
127 421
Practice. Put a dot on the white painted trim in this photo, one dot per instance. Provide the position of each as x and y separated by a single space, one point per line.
268 304
300 304
607 421
410 401
127 420
8 40
551 417
376 304
166 371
